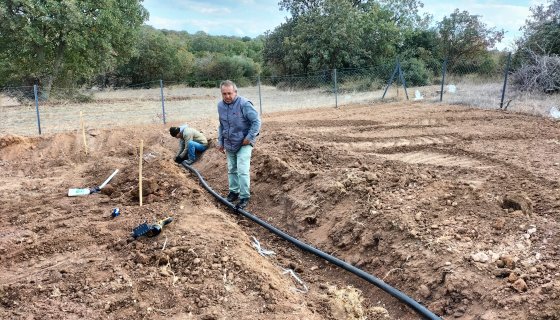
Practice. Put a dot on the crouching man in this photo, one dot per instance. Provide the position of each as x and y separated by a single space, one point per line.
191 141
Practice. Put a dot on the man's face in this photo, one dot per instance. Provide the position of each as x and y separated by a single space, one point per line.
228 94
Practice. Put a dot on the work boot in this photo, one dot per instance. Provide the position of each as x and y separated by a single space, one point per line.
232 196
243 202
188 162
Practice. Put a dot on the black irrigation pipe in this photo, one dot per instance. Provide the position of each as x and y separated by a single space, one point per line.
414 305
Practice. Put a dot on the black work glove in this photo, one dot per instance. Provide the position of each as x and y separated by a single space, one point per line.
178 159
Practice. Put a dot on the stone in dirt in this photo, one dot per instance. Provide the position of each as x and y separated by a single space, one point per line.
508 261
520 285
480 257
518 202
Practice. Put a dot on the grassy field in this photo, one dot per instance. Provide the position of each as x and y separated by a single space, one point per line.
110 108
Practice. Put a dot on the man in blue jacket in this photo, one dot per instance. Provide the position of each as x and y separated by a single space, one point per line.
237 133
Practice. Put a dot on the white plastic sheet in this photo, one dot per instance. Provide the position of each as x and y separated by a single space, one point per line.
555 113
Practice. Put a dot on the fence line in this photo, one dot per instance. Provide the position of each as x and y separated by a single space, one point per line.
175 102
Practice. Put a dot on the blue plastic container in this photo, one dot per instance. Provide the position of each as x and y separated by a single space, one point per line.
115 212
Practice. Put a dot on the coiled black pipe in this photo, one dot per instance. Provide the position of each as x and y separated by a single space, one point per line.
414 305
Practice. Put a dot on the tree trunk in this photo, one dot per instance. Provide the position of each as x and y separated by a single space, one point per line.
49 79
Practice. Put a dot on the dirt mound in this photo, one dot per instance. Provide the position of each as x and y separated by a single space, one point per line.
14 146
63 256
457 208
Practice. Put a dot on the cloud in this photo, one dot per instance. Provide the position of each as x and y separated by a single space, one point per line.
212 10
208 26
165 23
239 31
217 17
202 7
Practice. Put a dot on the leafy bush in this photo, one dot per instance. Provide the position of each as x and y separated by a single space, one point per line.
486 66
238 68
416 73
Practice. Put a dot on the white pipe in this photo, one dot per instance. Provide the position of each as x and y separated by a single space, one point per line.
108 179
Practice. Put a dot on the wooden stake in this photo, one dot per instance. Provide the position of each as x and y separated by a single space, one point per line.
140 172
82 124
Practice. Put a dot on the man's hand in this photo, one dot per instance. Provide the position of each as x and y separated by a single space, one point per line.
246 142
221 149
178 159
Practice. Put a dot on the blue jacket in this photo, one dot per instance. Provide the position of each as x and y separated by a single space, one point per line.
238 120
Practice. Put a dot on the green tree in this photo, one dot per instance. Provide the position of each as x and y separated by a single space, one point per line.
381 35
541 32
201 43
423 44
213 67
405 13
239 68
464 37
329 37
300 7
537 58
65 41
157 57
274 50
331 34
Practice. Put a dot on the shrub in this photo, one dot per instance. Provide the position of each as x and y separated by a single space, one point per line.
541 73
416 73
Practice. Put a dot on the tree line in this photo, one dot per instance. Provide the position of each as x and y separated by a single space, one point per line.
105 43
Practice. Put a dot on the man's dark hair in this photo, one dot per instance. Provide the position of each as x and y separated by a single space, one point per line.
173 131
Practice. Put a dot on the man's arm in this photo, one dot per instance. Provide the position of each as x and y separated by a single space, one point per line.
182 149
220 145
220 136
253 116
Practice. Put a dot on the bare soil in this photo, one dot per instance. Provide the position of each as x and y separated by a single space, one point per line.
458 208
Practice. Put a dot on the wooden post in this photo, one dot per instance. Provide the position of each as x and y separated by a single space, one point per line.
140 172
82 124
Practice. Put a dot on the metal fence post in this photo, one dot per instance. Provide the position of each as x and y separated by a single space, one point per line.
391 79
401 75
260 96
162 100
506 71
37 107
335 90
443 71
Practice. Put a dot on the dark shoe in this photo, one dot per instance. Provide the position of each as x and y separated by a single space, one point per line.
232 196
243 202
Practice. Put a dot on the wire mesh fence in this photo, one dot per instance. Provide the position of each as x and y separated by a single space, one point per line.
31 110
473 85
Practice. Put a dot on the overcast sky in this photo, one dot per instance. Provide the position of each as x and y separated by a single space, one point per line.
254 17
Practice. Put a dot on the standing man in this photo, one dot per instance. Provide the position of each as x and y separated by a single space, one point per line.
237 134
190 141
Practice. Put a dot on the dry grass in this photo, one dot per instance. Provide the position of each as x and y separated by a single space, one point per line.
111 108
487 95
